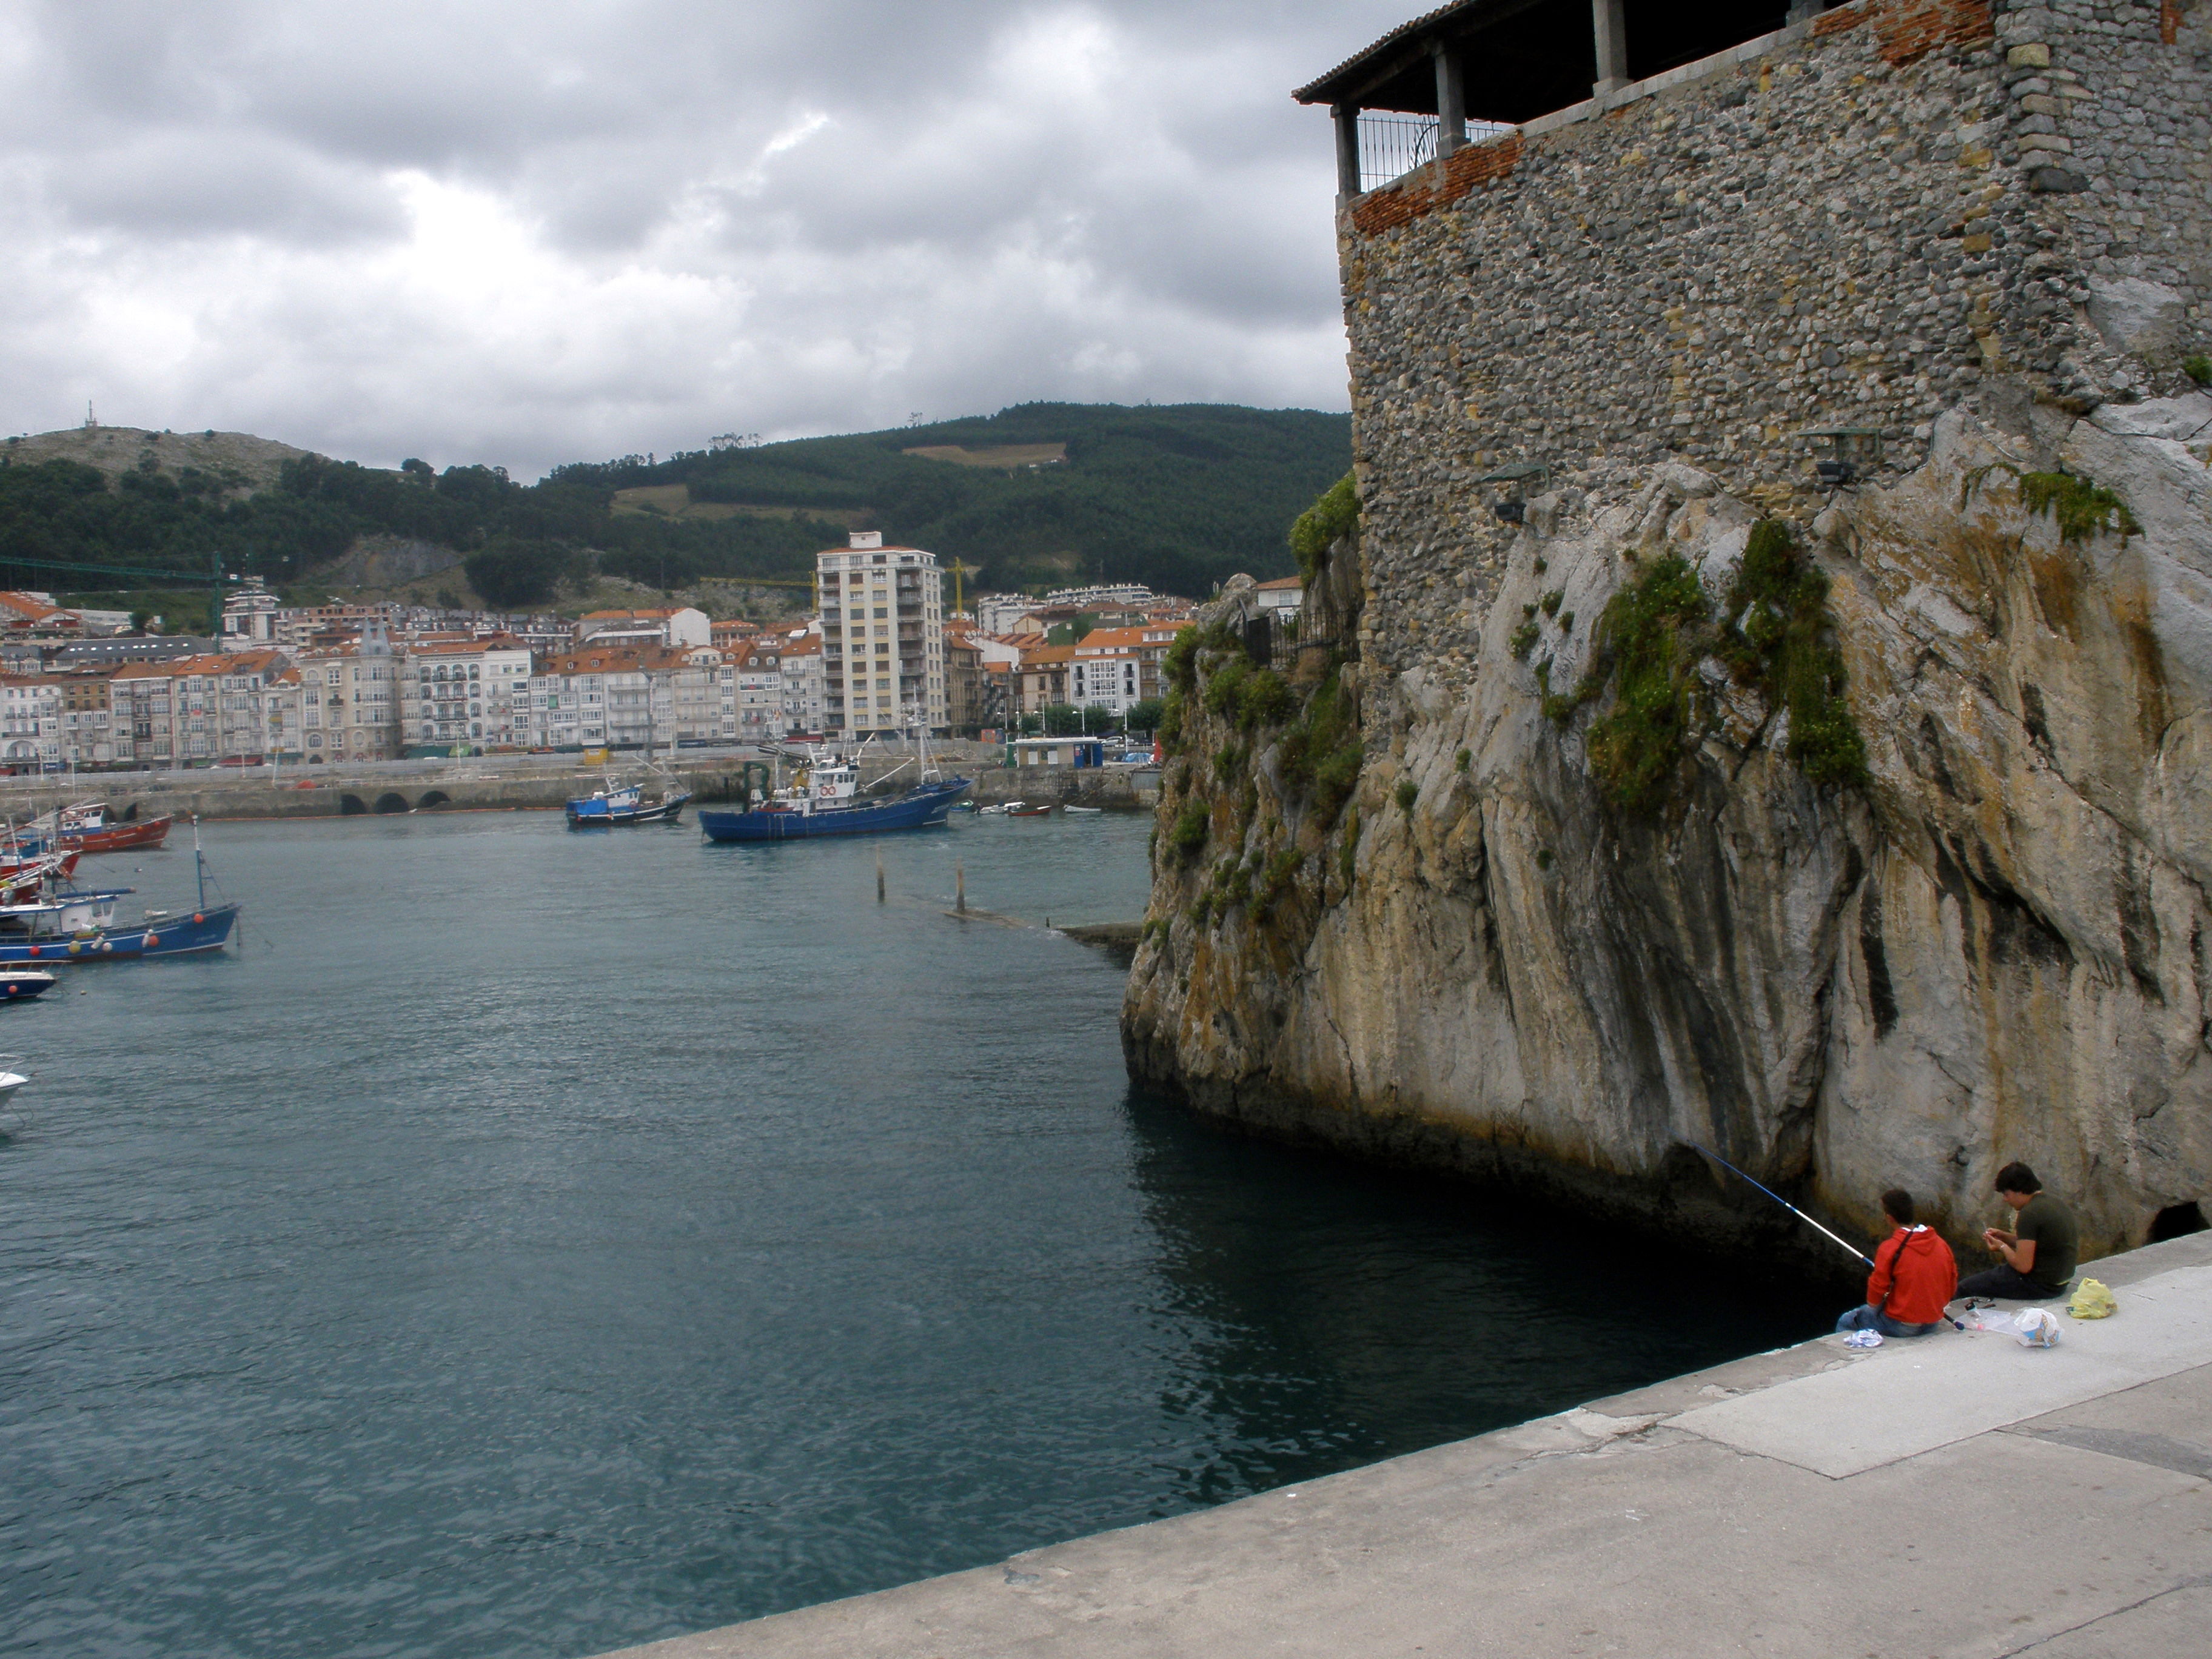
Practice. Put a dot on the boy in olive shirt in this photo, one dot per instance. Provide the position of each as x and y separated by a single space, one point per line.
2039 1253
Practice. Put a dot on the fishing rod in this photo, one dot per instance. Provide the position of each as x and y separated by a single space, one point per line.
1955 1324
1783 1201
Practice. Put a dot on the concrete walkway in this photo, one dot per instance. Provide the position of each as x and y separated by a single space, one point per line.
1955 1495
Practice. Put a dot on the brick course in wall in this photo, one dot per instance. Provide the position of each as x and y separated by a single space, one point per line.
1902 207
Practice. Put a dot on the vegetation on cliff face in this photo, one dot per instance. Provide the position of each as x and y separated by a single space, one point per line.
1775 637
1324 523
2082 507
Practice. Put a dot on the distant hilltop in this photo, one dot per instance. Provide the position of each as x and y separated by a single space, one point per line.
244 462
1178 497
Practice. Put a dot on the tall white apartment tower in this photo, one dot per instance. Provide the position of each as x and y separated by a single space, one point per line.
883 638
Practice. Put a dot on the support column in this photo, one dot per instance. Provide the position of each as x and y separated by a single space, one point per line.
1451 102
1346 117
1609 23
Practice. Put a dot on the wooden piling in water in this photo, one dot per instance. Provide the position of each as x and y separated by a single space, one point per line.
879 875
960 889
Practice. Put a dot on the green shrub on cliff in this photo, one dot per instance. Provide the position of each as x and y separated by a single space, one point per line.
1321 752
1192 826
1328 521
2082 509
1779 637
1649 631
1654 634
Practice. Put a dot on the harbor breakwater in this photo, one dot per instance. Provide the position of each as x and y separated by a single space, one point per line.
505 786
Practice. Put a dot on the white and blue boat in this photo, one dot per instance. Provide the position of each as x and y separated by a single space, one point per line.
70 925
621 803
825 799
82 926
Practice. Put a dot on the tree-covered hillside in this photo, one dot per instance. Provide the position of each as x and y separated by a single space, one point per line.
1178 497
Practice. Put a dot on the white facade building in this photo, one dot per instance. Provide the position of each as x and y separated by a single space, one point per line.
30 721
883 638
471 694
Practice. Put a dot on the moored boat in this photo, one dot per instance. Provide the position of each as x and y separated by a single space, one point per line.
22 984
1017 809
82 926
91 826
825 800
622 804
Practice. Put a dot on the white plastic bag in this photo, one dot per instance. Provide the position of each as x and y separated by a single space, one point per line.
2038 1327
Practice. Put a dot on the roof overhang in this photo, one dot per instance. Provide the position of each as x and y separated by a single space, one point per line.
1394 73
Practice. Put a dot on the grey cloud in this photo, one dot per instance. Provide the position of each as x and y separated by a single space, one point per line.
531 233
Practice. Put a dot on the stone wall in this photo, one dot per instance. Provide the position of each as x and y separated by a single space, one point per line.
1860 222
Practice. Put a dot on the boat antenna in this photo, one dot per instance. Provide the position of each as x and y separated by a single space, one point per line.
1783 1202
199 862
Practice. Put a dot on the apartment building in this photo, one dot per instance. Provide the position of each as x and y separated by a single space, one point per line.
760 689
964 704
1116 668
88 734
632 696
30 722
463 694
875 598
671 626
803 682
203 710
1042 678
350 703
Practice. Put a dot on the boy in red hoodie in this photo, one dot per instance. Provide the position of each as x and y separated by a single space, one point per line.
1913 1277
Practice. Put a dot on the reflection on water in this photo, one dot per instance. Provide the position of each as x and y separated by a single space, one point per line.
531 1243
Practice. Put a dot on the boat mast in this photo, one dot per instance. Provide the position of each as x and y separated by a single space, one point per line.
199 861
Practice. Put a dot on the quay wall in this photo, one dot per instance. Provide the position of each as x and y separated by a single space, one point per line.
463 785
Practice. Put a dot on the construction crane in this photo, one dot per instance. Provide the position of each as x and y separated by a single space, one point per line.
960 567
215 579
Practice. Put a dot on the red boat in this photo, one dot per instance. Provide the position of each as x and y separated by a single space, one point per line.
18 869
89 827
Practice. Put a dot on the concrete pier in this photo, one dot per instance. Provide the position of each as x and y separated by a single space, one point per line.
1955 1495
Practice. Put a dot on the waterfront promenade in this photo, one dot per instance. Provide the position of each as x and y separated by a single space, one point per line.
1954 1496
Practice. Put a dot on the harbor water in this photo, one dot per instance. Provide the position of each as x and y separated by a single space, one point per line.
528 1242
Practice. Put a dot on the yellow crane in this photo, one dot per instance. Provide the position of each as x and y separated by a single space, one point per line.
960 567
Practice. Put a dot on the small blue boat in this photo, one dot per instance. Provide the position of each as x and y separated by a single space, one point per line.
617 804
826 801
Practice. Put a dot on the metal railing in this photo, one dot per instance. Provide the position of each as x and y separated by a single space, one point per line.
1392 146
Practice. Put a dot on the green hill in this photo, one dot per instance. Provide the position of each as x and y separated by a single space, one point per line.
1177 496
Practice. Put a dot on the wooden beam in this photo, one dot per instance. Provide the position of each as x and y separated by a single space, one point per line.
1609 23
1451 102
1346 118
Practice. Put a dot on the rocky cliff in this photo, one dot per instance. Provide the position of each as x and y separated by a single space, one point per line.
1521 933
1635 786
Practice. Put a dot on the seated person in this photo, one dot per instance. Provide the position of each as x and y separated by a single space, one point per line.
2039 1253
1914 1275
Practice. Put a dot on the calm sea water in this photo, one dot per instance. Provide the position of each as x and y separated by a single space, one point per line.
532 1242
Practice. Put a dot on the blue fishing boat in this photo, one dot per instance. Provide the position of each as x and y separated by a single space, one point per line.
825 800
82 926
69 925
617 804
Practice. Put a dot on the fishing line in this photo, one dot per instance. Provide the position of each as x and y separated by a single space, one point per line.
1783 1201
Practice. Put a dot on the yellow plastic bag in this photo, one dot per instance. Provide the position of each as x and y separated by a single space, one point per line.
2092 1300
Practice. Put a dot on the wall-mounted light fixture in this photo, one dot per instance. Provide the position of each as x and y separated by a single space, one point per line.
1844 454
1512 506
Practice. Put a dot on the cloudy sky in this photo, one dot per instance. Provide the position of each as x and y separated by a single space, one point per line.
532 231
